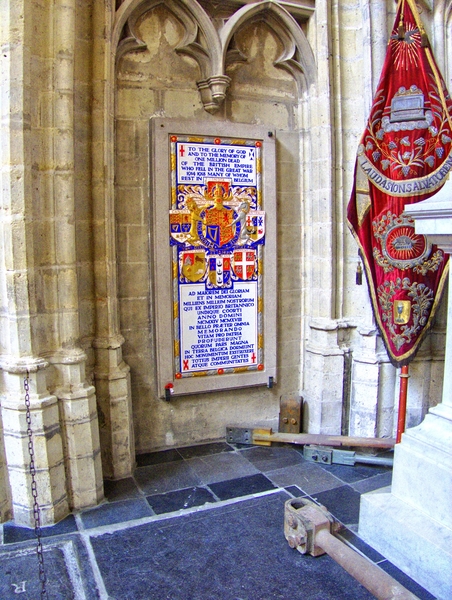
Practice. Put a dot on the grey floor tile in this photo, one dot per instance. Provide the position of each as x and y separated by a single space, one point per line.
180 499
229 552
116 512
358 472
156 458
205 449
243 486
295 491
271 458
121 489
310 478
373 483
68 573
221 467
15 533
342 502
158 479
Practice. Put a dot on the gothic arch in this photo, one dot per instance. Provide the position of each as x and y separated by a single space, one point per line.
213 50
296 57
201 42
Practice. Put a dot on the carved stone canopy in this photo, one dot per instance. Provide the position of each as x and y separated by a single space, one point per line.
210 41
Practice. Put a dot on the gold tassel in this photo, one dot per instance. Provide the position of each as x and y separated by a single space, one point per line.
401 31
424 40
359 274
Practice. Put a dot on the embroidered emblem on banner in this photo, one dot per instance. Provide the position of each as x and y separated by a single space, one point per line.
401 247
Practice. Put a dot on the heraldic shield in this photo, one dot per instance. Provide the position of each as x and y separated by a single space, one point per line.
255 225
193 265
219 270
179 225
244 263
218 218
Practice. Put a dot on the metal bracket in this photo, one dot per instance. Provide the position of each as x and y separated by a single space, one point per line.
302 520
328 456
169 391
318 454
290 414
239 435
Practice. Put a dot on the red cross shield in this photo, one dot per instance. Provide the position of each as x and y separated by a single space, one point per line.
244 263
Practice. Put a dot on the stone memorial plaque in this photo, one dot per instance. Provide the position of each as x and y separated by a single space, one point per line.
214 187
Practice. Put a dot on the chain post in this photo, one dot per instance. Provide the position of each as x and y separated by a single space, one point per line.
34 492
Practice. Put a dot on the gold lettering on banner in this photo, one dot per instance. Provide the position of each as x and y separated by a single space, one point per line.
363 203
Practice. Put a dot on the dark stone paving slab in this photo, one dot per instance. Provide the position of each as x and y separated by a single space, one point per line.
14 533
243 486
342 502
309 477
116 512
234 552
180 499
373 483
66 564
167 477
221 467
295 491
157 458
271 458
122 489
204 449
358 472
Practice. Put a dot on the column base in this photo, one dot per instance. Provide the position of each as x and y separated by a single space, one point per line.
414 542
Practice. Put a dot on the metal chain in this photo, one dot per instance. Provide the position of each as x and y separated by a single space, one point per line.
34 492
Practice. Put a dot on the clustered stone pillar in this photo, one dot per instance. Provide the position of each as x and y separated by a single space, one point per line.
39 327
112 375
47 445
80 428
77 398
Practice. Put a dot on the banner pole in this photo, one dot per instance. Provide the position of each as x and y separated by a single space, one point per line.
402 403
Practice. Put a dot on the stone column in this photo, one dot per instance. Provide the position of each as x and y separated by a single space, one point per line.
77 398
46 440
327 365
112 375
412 524
80 428
19 323
373 381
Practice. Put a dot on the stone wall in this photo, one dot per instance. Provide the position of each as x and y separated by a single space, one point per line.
160 82
81 81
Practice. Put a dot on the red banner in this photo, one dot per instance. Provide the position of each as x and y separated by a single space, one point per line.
404 157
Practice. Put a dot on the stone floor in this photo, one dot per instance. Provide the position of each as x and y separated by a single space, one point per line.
199 523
